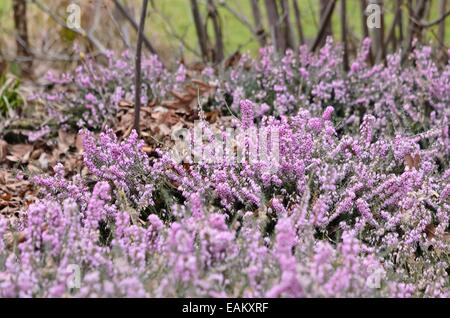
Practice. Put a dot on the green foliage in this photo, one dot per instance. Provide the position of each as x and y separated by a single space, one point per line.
10 97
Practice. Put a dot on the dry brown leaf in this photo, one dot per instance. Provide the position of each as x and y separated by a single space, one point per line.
412 162
79 143
12 238
3 150
447 237
36 153
65 140
147 149
126 104
20 153
430 231
233 60
6 197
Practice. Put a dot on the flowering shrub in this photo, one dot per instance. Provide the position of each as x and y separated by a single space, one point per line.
406 99
339 217
91 94
355 202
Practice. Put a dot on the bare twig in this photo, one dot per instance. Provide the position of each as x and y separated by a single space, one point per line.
137 79
214 16
415 28
435 22
323 6
170 30
298 22
324 25
20 22
257 19
243 19
365 28
286 24
133 23
88 35
278 38
344 33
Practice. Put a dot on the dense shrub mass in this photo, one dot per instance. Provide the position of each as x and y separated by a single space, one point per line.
357 203
409 99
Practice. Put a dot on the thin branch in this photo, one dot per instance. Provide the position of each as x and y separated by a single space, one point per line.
201 32
441 31
344 33
424 24
133 23
88 35
257 18
170 30
286 24
214 16
323 26
298 22
61 22
241 18
137 79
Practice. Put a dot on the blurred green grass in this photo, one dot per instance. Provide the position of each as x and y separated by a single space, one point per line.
235 34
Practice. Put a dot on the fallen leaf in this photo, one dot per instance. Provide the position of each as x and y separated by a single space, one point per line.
65 140
20 153
126 104
3 150
79 143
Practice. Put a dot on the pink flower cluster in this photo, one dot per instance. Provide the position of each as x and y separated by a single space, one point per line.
411 98
340 217
346 213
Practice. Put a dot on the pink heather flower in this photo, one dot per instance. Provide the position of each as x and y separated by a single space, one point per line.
289 285
247 113
328 113
445 193
149 227
39 134
196 205
355 67
316 124
277 205
364 209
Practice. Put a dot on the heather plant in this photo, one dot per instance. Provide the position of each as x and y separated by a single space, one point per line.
341 216
407 99
89 96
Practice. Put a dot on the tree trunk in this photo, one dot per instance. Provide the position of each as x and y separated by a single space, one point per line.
415 29
321 35
441 30
365 28
298 22
287 26
380 48
199 28
261 34
137 75
328 28
278 37
344 33
22 43
214 15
